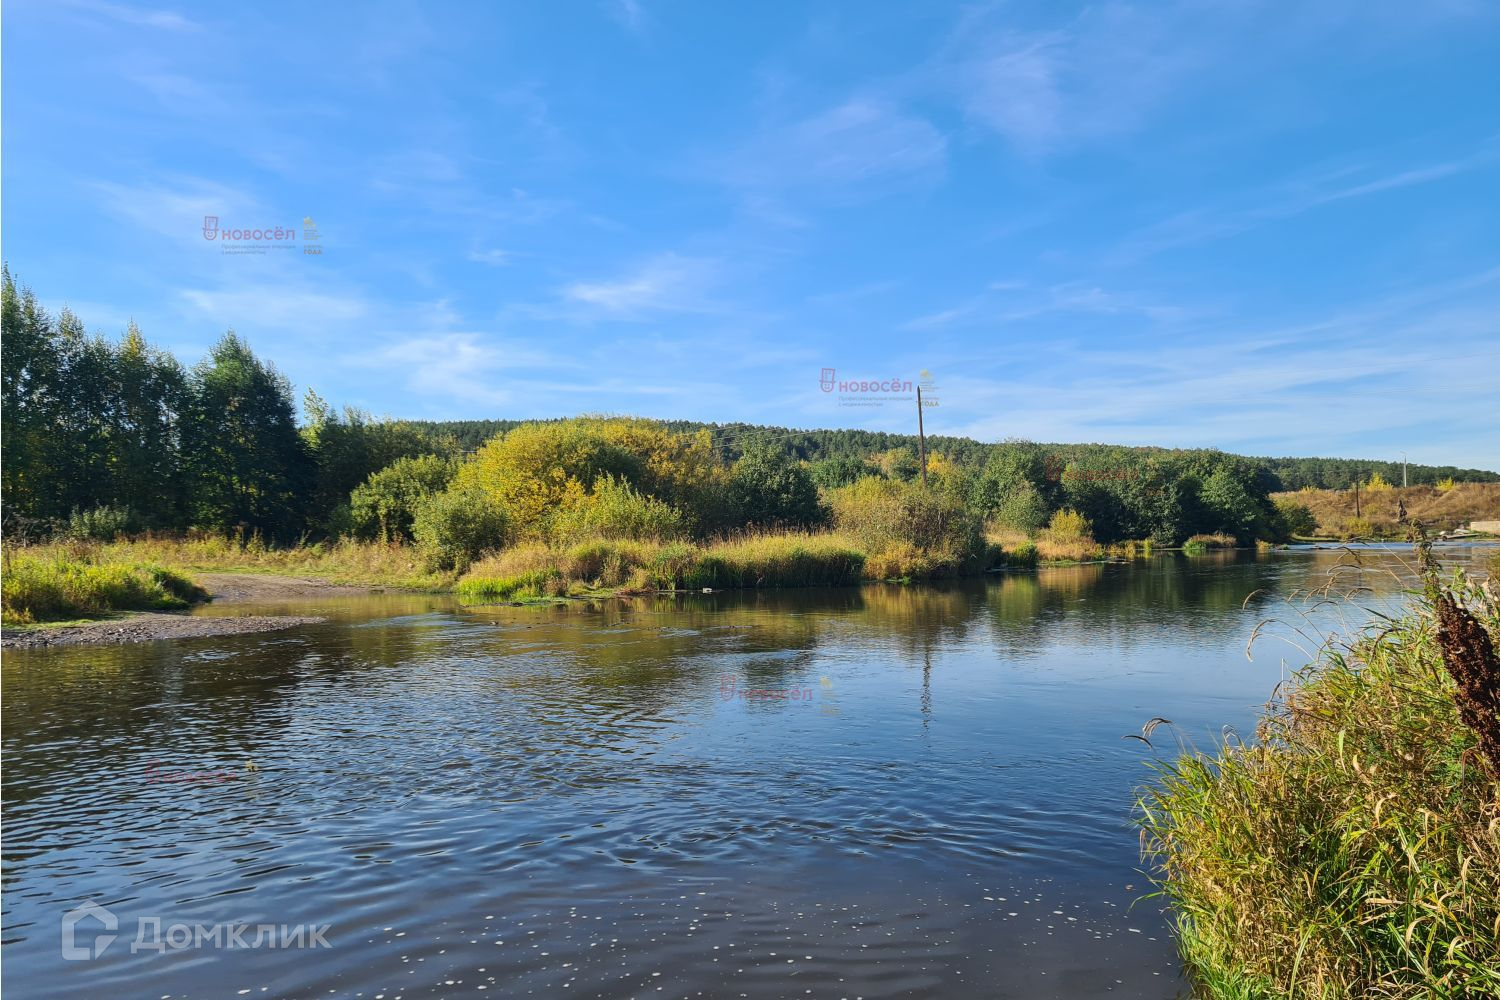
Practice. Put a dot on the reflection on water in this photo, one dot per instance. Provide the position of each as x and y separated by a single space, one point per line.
580 799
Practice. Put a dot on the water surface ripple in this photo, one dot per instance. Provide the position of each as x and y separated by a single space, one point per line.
873 792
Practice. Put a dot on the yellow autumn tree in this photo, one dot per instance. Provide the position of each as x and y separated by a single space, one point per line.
538 472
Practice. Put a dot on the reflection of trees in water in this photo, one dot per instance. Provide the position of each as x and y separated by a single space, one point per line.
1126 605
580 691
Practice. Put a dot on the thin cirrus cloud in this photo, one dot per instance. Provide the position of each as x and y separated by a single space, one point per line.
1102 73
275 307
494 257
465 366
1293 198
850 148
167 20
663 283
176 210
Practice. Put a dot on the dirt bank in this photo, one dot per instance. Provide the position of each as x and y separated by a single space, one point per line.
148 627
263 587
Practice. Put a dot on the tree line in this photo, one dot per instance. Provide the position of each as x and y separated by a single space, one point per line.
102 436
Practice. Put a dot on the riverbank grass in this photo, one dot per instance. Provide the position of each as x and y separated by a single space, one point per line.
58 585
792 559
345 561
1354 851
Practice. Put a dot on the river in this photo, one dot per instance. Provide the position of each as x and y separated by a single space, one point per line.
872 792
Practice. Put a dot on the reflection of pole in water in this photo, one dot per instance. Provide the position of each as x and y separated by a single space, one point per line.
926 687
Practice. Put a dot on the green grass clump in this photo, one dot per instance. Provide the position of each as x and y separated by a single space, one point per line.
527 585
1354 851
1199 544
1021 555
792 559
57 585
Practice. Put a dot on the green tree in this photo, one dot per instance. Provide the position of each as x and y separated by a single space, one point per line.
1009 466
150 394
1228 506
31 405
248 465
1022 509
840 470
346 449
768 489
385 504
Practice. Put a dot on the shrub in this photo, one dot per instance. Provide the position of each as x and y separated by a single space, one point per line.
884 514
536 470
386 503
1022 509
615 510
841 470
456 526
1069 524
1296 518
100 524
1023 556
1355 528
1068 536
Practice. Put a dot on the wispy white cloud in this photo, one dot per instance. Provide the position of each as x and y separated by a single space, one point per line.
176 206
1101 73
664 283
279 307
1408 370
1294 197
1112 66
143 17
1012 301
844 150
628 13
465 366
494 257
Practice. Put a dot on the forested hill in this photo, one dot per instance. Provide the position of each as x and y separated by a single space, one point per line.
814 445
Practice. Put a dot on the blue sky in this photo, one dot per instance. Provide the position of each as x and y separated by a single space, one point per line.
1271 227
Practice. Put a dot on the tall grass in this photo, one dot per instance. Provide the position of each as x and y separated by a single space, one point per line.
1354 851
791 559
60 582
343 561
1199 544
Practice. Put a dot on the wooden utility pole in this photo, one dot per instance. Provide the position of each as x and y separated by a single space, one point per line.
921 436
1356 498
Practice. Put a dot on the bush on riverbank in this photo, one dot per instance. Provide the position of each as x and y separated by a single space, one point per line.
910 531
77 581
1068 537
1199 544
1355 851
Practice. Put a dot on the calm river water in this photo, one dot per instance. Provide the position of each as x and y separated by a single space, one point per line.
876 792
